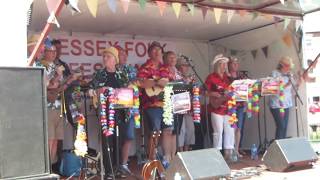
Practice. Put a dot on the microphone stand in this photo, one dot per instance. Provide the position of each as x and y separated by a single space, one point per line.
297 96
205 99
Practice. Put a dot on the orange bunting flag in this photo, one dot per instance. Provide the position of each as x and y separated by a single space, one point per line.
243 13
125 5
176 8
287 39
162 5
268 16
93 7
230 14
217 14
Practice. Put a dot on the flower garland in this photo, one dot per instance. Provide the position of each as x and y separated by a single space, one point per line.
281 97
196 103
232 107
167 106
256 98
134 111
250 102
80 144
107 125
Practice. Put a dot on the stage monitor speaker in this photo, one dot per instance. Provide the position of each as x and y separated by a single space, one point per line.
199 164
23 124
289 154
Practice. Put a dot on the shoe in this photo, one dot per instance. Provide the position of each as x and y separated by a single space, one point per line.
124 169
121 175
108 177
165 164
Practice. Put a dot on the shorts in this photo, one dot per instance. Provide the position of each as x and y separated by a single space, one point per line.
155 119
127 129
241 115
55 124
186 136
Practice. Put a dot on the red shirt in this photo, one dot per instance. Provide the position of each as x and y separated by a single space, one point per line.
149 70
217 84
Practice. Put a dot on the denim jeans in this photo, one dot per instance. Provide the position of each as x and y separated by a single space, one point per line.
281 122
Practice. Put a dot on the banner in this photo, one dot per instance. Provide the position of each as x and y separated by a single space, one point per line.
86 51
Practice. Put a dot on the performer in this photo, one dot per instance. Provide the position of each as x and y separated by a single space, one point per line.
109 76
283 71
217 83
233 68
127 129
170 61
152 75
186 136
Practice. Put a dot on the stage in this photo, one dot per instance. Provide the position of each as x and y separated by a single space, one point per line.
246 168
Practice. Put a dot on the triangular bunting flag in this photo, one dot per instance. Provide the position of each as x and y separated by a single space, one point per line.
287 39
265 51
254 15
254 54
162 5
298 24
233 52
230 14
74 5
217 14
242 13
51 4
125 5
286 23
112 5
191 8
142 4
93 7
52 19
282 2
204 12
176 8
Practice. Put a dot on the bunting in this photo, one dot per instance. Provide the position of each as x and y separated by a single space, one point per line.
287 39
286 23
204 12
93 7
112 5
191 8
51 4
74 5
162 5
265 51
298 25
282 2
254 15
242 13
217 14
230 14
254 53
52 19
142 4
125 5
176 8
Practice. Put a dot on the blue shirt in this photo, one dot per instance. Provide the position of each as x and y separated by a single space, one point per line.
274 99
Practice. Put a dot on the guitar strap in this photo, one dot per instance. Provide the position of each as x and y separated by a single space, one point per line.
63 110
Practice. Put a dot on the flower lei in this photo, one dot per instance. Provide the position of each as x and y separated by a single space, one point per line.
232 107
107 125
255 98
134 112
167 106
196 103
281 97
80 144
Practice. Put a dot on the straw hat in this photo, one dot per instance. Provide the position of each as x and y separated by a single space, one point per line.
218 58
33 39
286 61
114 51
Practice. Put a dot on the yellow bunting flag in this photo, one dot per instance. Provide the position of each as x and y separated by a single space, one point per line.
230 14
191 8
217 14
93 7
176 8
162 5
287 39
125 5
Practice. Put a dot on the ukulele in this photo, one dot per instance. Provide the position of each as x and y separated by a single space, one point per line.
153 169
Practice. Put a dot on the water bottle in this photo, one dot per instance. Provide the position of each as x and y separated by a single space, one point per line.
254 152
177 176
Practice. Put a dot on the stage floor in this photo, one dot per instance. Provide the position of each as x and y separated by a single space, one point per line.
246 168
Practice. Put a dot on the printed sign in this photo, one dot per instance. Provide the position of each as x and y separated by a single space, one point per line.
181 102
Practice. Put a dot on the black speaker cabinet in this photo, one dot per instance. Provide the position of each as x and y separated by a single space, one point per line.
199 164
289 154
23 124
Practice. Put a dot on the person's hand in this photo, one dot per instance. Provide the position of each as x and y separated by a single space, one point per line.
162 82
60 70
92 93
